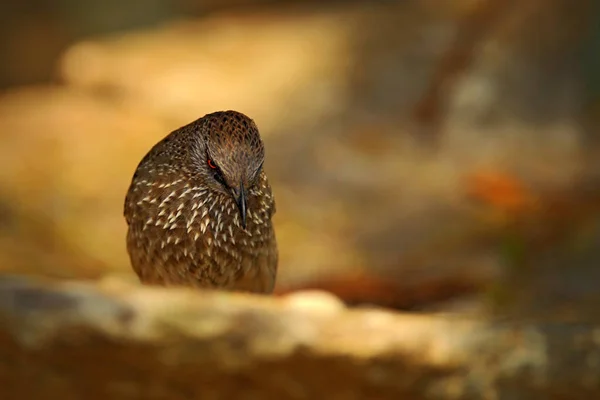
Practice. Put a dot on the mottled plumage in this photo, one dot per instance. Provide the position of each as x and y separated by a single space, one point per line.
199 208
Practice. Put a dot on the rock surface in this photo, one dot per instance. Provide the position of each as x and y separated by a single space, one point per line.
112 340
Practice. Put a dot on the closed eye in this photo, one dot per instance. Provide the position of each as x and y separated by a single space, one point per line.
217 174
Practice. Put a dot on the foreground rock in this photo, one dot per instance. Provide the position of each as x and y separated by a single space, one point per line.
116 341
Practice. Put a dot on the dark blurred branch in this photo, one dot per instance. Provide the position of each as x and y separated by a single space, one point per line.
473 29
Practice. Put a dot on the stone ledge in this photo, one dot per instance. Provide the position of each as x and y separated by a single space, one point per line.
112 340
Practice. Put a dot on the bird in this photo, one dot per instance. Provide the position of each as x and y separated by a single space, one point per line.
199 209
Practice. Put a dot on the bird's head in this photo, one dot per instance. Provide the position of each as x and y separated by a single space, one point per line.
229 155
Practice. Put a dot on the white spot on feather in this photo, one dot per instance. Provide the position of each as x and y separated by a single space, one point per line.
192 218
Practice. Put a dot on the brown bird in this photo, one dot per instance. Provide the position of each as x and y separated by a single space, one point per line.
199 208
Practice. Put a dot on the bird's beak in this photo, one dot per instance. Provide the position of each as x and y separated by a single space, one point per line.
240 199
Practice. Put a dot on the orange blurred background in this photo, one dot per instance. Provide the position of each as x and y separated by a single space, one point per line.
423 154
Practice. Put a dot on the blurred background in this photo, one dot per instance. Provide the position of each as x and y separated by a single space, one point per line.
425 155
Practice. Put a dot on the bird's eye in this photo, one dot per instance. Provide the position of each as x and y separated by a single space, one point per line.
218 175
